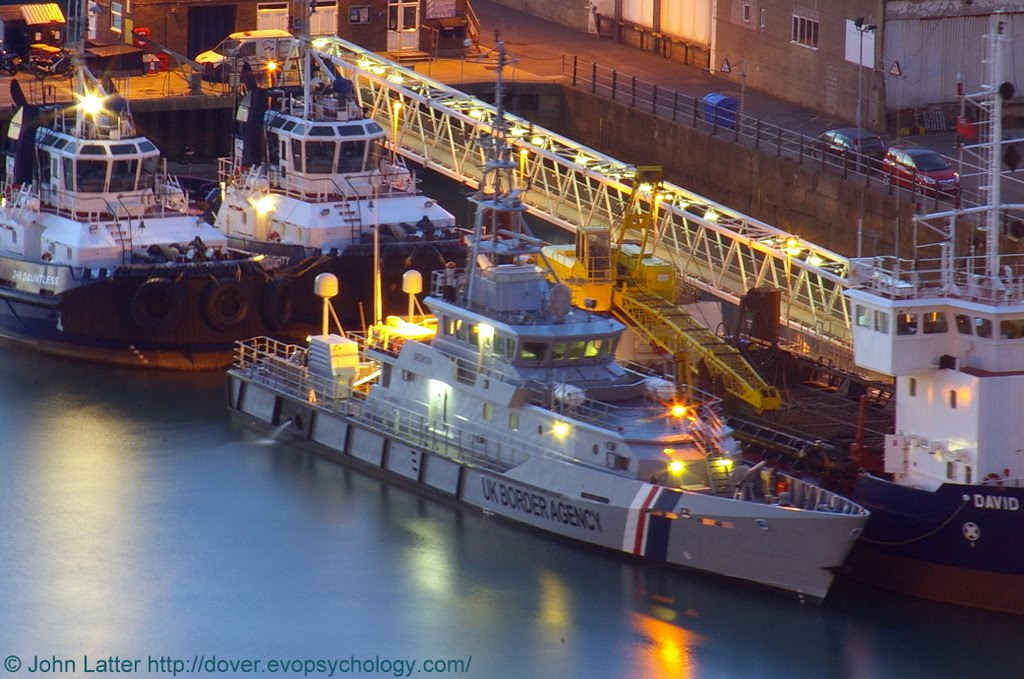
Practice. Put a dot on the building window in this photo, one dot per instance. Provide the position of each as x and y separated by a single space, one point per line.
746 13
805 31
513 421
359 14
117 17
488 411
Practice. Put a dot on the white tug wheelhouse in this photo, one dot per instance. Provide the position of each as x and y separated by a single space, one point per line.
948 324
88 191
311 170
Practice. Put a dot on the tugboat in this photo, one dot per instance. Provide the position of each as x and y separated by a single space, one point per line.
948 324
510 400
312 179
100 256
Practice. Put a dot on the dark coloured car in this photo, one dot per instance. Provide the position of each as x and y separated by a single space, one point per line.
920 169
851 144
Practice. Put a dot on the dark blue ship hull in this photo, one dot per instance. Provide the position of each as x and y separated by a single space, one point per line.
959 544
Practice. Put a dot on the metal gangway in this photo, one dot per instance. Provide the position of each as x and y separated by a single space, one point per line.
715 249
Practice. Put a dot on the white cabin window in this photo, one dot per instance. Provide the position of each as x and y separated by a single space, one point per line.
1011 329
952 398
935 323
950 470
882 322
963 324
967 473
863 316
906 324
912 386
983 327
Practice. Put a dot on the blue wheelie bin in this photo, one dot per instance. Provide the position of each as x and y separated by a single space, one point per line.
719 110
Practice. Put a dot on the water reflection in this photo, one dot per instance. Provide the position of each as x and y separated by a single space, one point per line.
135 519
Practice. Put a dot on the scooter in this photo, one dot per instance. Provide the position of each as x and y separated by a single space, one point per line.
58 63
9 62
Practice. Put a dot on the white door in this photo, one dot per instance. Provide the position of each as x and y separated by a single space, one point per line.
403 25
272 15
325 19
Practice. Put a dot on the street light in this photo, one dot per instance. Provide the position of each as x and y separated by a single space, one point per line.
862 28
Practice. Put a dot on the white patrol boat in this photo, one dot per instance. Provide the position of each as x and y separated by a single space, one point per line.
314 180
948 323
101 258
511 401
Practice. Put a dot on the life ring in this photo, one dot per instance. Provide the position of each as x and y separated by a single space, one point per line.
46 257
993 479
278 303
274 236
158 304
224 304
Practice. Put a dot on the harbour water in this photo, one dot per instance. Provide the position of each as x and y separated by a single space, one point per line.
137 522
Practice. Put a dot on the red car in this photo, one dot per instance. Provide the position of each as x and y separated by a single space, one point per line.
920 169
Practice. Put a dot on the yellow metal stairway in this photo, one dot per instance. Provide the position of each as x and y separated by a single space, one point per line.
674 330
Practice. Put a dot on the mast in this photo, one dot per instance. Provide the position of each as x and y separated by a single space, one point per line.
496 194
986 152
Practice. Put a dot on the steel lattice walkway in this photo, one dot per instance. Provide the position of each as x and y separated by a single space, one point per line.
715 249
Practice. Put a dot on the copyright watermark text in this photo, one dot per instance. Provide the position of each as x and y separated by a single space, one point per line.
213 664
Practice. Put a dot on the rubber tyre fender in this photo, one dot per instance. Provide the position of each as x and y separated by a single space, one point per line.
278 303
224 304
158 304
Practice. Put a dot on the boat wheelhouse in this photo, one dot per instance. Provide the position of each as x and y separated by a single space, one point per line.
312 179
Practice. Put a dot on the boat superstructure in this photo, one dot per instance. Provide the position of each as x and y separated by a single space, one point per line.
509 399
315 180
101 256
947 322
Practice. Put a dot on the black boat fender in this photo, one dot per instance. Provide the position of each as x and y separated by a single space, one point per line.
158 304
278 303
224 304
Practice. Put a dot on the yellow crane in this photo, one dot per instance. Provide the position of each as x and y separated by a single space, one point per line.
639 289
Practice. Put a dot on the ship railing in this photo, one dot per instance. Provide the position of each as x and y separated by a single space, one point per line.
282 367
805 495
397 181
933 277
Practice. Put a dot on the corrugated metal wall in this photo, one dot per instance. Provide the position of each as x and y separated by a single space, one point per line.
932 52
690 20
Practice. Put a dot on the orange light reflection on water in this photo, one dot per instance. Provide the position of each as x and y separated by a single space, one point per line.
665 649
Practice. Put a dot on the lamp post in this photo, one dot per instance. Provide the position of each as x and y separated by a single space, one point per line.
862 28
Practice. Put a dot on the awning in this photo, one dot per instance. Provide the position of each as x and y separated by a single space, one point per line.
46 13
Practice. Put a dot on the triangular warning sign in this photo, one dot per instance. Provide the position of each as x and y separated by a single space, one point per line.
895 69
726 68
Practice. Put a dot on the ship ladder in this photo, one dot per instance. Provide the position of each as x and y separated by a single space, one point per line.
674 330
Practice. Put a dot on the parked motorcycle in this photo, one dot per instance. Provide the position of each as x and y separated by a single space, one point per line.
57 63
9 62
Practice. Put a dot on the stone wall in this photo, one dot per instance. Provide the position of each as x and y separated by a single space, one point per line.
798 198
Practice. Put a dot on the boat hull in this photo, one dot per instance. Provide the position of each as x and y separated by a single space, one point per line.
772 546
958 544
354 269
126 318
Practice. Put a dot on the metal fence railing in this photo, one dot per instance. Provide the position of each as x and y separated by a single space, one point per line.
724 120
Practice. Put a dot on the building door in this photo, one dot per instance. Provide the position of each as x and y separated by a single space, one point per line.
403 25
207 26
